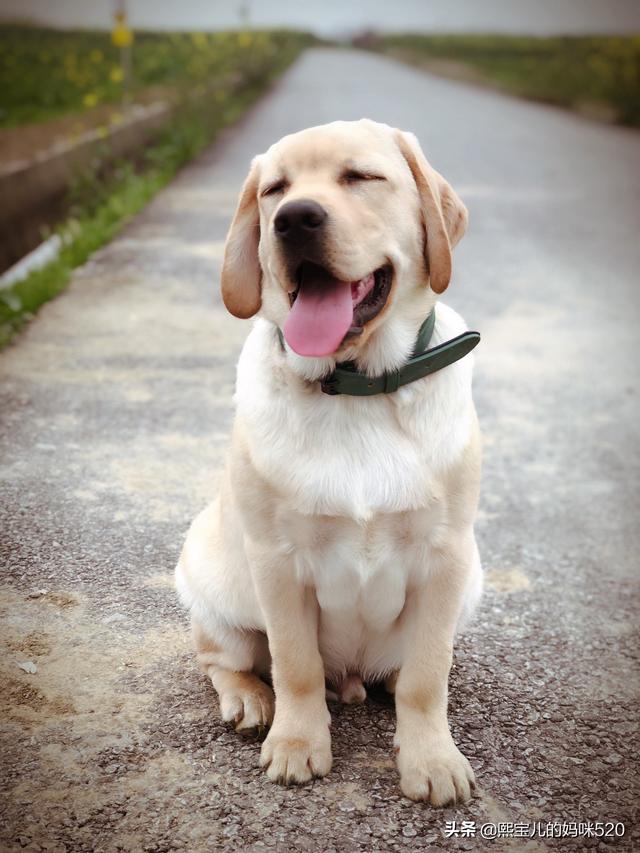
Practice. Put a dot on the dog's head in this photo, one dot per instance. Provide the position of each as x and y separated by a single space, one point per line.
342 232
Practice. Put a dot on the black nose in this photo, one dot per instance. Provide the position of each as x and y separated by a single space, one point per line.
299 220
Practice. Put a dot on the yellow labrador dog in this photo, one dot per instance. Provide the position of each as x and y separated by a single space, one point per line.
341 546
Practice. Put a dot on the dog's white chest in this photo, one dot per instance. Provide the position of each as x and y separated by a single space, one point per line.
354 457
361 571
348 458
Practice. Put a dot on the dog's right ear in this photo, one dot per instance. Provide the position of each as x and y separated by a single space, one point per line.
241 272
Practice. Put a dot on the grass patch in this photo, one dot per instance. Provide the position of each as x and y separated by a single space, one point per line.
104 199
594 73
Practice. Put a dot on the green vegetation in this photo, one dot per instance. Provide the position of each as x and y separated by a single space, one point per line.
47 73
102 200
588 73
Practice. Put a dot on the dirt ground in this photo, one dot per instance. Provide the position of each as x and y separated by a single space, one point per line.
115 408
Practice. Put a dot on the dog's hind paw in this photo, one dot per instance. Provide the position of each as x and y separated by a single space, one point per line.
247 702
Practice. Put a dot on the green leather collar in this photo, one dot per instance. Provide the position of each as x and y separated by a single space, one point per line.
345 379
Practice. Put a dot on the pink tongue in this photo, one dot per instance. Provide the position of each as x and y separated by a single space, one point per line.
321 315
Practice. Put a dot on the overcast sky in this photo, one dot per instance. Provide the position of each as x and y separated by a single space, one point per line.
333 17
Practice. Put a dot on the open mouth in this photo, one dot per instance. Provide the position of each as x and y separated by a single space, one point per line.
325 311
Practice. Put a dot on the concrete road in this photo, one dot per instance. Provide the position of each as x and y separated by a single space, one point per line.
116 406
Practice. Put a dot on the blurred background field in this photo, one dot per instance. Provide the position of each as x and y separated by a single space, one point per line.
597 75
78 76
47 73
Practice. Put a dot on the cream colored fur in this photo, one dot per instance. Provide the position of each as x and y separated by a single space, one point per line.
341 545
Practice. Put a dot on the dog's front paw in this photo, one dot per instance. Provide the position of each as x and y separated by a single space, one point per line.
296 756
433 769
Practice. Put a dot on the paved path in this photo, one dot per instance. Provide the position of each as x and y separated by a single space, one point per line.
116 405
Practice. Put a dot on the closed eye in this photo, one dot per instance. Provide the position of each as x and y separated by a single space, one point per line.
275 187
354 176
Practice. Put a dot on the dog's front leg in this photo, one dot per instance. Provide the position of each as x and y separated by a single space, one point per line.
298 745
431 766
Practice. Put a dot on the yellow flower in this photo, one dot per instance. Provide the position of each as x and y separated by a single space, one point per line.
121 36
96 56
90 99
116 74
244 39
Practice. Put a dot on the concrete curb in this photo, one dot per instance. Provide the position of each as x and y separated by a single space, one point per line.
30 189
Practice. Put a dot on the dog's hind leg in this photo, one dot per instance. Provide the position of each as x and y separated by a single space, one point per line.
232 657
231 660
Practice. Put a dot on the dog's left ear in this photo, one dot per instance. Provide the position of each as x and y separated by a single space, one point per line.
445 216
241 272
